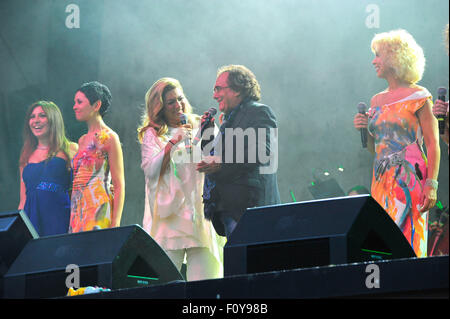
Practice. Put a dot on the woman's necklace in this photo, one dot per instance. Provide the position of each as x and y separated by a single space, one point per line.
43 148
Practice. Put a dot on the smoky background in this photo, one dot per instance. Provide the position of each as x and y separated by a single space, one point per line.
311 58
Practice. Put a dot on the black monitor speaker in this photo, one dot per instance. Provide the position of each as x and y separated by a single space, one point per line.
16 230
313 233
326 189
113 258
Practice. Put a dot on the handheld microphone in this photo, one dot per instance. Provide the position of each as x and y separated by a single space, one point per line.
362 110
441 118
187 142
210 114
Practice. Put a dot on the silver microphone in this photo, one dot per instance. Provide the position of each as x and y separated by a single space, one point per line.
187 141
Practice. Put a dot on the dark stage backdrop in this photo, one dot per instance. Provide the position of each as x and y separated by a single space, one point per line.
311 57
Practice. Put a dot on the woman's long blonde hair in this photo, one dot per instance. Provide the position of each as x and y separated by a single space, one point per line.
153 116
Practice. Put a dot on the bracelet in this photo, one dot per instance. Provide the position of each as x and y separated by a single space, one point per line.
170 141
432 183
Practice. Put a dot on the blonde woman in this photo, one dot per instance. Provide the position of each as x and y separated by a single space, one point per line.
400 119
173 204
45 172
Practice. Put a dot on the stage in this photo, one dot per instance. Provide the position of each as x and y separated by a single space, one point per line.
402 278
360 254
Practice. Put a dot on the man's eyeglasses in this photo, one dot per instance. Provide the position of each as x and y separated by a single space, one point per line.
217 89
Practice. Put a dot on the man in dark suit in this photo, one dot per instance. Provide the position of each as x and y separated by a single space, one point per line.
241 170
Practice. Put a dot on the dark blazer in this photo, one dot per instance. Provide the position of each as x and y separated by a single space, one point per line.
247 177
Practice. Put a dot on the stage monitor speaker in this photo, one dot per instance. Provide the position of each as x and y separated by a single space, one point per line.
326 189
16 231
113 258
313 233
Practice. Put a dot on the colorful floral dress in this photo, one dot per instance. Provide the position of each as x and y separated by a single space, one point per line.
91 205
400 165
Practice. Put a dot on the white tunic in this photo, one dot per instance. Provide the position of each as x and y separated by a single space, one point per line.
173 213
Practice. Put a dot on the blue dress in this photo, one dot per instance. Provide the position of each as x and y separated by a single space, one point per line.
47 186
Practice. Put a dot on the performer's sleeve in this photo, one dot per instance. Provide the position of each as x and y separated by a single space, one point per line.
208 137
420 102
152 155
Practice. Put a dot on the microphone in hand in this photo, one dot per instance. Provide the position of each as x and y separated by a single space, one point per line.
187 141
362 110
207 119
441 117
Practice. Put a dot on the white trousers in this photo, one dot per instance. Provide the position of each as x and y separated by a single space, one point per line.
200 263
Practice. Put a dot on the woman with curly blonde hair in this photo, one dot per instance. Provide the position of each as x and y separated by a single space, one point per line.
173 213
400 119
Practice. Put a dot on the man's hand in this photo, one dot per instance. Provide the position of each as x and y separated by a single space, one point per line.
209 165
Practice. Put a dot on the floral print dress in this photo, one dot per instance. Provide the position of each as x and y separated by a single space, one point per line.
91 202
400 165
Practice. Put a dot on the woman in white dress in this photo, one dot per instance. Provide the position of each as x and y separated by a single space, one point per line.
173 187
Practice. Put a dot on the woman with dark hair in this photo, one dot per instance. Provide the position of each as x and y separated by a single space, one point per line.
98 163
399 121
45 172
173 188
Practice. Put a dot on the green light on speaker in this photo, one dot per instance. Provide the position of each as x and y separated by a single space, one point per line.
376 252
292 195
140 277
